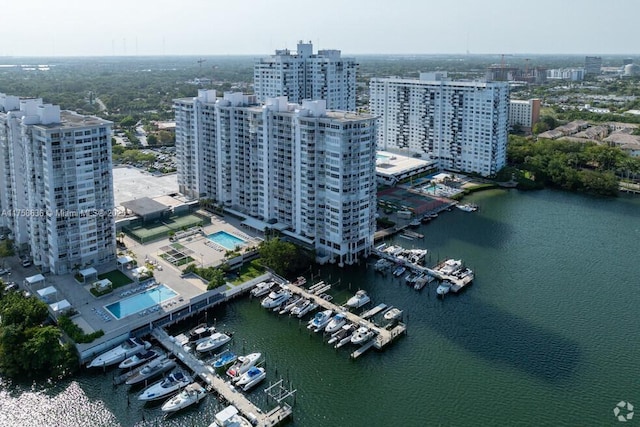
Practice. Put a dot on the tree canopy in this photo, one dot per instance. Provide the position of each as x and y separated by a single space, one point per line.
28 347
575 166
284 258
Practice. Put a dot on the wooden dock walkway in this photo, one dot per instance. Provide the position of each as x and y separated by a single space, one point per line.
383 336
220 386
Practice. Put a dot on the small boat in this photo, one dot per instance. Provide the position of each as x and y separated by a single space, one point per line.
243 364
415 223
250 378
201 331
261 288
307 308
362 335
214 341
393 314
138 359
468 207
399 271
277 297
344 332
171 383
443 288
320 320
289 305
347 337
230 417
224 360
151 370
128 348
359 299
295 310
336 323
450 266
193 393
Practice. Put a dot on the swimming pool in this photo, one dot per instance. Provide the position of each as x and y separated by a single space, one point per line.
142 301
226 240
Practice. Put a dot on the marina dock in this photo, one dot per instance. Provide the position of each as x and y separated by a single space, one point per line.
216 383
383 336
457 282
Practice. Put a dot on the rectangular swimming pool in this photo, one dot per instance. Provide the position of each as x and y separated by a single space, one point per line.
142 301
226 240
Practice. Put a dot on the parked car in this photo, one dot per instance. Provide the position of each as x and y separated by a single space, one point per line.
26 263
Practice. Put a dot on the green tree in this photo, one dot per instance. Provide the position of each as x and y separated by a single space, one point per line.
216 279
128 122
277 255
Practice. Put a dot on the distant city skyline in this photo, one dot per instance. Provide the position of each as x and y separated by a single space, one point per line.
258 27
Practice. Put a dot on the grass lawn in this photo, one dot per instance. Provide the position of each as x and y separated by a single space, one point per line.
249 271
117 278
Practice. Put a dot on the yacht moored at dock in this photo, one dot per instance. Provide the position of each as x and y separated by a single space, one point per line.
229 417
168 385
224 359
138 359
152 369
216 340
191 394
362 335
243 364
359 299
128 348
276 297
336 323
320 320
251 378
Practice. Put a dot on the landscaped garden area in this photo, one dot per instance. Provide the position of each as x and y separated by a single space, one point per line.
116 279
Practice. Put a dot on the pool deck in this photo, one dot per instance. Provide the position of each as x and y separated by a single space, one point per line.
92 315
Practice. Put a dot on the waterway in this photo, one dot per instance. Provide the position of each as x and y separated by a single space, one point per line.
546 335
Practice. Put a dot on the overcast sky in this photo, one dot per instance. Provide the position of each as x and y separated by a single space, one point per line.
258 27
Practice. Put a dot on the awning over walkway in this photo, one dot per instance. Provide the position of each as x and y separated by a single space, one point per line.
123 261
47 292
32 280
88 273
60 306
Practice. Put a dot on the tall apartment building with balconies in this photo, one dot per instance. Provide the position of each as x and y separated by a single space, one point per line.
463 126
308 171
303 75
57 188
593 65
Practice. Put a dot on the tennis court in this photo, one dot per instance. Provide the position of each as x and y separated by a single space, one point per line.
400 199
159 229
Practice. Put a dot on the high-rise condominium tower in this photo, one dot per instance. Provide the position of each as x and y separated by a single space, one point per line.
56 194
303 75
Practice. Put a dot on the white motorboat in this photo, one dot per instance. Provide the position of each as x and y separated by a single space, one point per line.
336 323
193 393
307 308
359 299
344 332
277 297
261 288
320 320
171 383
300 305
230 417
151 370
362 335
250 378
214 341
468 207
128 348
450 266
243 364
138 359
393 314
289 306
443 288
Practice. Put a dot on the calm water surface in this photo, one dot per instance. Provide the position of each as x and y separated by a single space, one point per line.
546 335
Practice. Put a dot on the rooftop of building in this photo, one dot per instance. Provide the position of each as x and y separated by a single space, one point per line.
392 164
71 120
